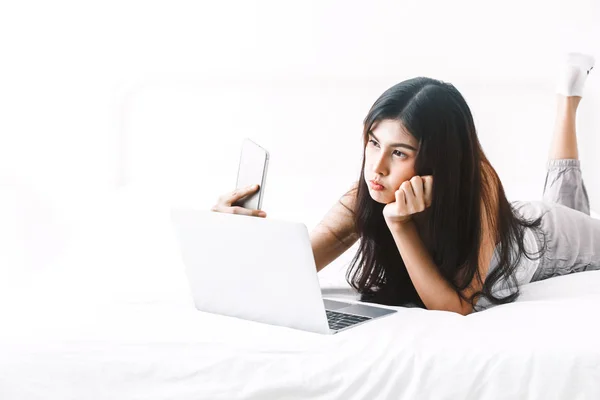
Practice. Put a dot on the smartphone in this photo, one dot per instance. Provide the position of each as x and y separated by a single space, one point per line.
254 162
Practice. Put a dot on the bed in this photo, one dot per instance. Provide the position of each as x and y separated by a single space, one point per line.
111 317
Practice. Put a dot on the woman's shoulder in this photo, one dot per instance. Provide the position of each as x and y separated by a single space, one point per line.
533 203
532 208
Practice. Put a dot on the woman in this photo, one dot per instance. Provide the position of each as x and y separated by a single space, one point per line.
434 224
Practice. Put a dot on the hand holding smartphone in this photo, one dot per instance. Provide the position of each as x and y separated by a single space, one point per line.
252 170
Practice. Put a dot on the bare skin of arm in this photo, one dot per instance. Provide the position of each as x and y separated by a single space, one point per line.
336 232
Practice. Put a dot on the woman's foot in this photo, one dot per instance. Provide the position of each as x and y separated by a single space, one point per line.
573 73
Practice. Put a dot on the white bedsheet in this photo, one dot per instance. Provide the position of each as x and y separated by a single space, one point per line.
542 349
97 327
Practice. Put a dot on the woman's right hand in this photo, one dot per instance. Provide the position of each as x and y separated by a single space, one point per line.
225 203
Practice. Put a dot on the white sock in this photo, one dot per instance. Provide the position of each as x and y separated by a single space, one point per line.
573 73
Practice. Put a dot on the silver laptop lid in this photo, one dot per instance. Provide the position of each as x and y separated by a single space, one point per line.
253 268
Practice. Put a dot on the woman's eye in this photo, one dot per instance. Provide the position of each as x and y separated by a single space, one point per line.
396 152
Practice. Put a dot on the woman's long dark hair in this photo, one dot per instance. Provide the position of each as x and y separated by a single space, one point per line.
437 115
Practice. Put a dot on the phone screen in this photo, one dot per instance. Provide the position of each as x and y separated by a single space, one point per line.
254 161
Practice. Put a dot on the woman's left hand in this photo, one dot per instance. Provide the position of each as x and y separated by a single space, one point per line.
412 197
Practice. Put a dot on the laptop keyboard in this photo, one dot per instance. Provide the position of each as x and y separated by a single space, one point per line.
338 320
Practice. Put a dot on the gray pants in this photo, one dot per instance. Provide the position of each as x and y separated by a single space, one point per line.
573 237
564 185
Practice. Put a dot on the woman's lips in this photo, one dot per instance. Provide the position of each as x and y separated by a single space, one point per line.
376 186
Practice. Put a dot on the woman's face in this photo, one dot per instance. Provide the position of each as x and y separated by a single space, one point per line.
389 159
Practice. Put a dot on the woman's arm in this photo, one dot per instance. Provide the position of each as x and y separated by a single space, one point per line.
432 287
335 233
435 291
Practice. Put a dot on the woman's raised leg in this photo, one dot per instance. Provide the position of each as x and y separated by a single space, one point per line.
564 183
564 141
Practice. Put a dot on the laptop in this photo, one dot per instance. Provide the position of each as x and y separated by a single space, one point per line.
262 270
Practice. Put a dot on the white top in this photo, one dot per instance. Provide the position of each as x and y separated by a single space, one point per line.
524 271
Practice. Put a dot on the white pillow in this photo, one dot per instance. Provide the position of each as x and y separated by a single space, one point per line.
128 251
88 247
33 232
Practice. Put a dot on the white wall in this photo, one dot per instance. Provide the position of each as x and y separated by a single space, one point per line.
158 95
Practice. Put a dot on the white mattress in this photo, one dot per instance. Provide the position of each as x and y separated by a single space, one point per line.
115 321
